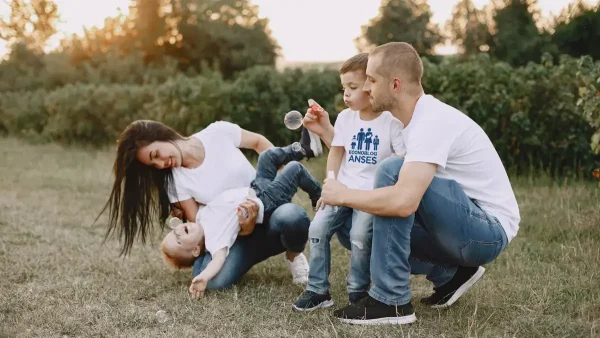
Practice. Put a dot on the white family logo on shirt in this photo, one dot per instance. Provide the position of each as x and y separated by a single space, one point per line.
364 147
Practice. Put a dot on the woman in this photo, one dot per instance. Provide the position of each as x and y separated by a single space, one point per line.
156 167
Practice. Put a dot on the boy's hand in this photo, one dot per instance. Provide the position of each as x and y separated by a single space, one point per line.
320 204
198 286
316 118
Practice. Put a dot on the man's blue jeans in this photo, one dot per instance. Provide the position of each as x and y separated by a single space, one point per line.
448 230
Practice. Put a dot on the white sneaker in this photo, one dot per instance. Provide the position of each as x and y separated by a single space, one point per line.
299 269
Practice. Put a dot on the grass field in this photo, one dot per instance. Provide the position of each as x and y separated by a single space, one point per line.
58 280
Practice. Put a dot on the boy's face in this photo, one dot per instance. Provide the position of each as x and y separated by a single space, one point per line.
185 241
354 97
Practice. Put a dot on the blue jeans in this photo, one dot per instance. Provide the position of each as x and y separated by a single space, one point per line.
276 189
286 229
327 222
448 230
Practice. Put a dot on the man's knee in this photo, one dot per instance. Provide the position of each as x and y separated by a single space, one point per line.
387 171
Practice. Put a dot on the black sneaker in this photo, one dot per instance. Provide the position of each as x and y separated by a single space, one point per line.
369 311
447 294
310 301
311 144
354 297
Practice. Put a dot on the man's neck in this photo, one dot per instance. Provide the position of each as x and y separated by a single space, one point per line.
405 108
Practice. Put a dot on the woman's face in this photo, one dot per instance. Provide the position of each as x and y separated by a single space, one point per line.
160 154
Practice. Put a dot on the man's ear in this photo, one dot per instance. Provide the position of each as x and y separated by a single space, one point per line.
396 84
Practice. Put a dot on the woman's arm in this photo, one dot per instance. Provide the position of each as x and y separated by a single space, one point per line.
199 282
254 141
189 208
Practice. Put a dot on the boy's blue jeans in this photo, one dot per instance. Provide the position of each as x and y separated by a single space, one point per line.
448 230
359 227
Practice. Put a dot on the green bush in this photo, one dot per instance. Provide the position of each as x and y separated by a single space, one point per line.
530 113
541 116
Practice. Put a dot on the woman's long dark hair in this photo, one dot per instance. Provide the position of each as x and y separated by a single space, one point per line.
139 196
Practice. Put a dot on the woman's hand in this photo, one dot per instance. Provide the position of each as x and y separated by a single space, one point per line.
247 224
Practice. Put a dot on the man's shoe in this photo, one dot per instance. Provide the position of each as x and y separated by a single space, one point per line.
310 301
311 144
354 297
447 294
369 311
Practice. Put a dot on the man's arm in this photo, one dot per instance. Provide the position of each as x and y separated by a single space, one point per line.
199 282
254 141
399 200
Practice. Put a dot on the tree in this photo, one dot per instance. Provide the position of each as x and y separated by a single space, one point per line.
401 20
576 30
467 28
517 39
226 34
30 23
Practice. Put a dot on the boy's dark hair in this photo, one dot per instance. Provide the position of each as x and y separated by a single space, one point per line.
357 62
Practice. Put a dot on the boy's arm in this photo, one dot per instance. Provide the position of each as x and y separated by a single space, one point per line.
199 282
334 160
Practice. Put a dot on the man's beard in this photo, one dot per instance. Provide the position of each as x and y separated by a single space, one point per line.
387 103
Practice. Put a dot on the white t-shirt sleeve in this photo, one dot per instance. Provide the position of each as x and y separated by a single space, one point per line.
430 141
339 126
228 130
179 193
220 232
396 137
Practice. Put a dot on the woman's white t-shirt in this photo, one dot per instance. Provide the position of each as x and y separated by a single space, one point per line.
225 166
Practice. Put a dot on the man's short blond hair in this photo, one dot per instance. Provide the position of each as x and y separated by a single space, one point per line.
399 59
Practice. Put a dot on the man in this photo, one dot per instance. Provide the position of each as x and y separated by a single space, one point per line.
443 210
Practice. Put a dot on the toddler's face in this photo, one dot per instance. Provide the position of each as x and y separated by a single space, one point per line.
354 96
184 239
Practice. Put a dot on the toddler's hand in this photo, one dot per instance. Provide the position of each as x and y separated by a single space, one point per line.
198 287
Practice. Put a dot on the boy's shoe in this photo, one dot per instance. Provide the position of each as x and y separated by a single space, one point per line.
311 144
447 294
354 297
310 301
299 269
369 311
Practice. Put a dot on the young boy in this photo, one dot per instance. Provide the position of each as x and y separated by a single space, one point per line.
362 139
217 224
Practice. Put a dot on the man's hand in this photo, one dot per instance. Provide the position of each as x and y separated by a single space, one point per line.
247 224
333 192
316 119
198 286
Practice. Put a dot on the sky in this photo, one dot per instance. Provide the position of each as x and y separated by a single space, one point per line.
306 30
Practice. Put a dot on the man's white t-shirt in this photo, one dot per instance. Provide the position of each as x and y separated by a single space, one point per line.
441 134
366 144
224 167
219 218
